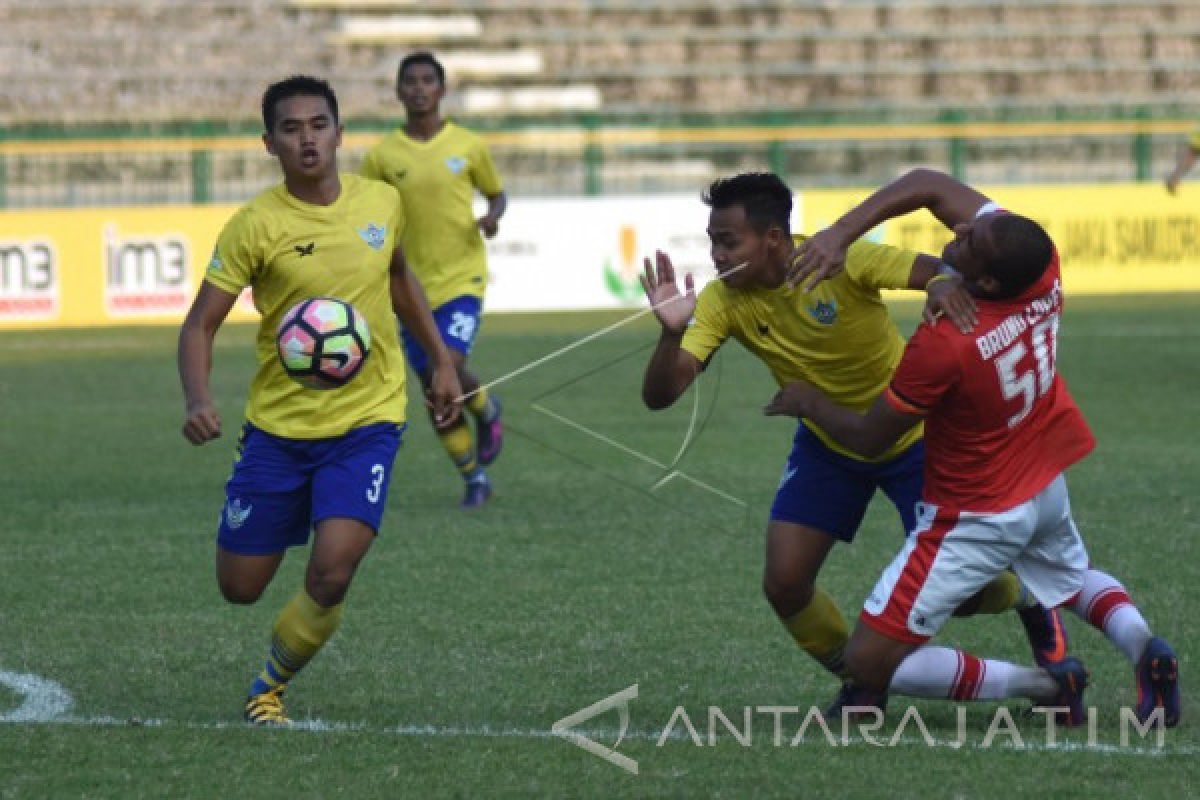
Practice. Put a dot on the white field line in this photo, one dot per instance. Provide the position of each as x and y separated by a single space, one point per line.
45 702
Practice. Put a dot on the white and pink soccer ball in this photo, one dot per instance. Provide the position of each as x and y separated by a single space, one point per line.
323 342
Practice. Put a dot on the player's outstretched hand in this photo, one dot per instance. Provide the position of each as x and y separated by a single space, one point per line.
444 397
489 225
793 400
674 310
822 256
949 297
203 423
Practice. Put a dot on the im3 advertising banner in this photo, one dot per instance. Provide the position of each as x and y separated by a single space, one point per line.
121 266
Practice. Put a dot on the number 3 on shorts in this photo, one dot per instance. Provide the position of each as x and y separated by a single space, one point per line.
376 487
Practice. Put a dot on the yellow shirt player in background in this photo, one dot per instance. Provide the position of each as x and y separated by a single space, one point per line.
1187 159
308 459
437 167
838 336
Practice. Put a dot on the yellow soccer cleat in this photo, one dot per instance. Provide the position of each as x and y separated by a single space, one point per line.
266 709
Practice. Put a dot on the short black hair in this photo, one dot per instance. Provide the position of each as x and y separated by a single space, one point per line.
295 86
420 57
764 196
1023 251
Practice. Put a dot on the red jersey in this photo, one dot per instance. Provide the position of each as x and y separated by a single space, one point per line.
1000 424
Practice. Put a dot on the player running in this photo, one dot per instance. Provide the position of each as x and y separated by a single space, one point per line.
308 459
437 166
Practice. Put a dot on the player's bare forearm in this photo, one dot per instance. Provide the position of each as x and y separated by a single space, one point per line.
208 311
869 434
669 373
948 199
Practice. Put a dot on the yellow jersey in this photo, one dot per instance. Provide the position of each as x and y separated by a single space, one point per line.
838 337
1194 140
288 250
437 180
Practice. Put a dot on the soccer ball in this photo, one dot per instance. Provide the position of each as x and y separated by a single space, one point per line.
323 342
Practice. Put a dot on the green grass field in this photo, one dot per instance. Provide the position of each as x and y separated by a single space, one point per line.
467 636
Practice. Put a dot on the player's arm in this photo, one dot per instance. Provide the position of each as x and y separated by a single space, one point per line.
945 292
497 204
409 303
202 423
671 369
948 199
869 434
1183 165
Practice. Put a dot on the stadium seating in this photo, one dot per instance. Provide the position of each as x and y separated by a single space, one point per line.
172 59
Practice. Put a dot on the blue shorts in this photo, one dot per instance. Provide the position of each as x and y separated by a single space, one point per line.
281 488
828 491
458 323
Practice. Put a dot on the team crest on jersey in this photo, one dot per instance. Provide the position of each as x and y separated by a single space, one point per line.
824 313
235 514
374 235
456 164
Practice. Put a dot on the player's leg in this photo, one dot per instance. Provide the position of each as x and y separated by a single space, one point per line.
267 510
349 487
457 327
946 560
483 405
819 502
1104 603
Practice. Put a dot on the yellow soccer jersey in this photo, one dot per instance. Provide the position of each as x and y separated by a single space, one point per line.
287 250
839 337
437 180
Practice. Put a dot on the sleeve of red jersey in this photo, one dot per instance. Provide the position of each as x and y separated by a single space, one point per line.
927 371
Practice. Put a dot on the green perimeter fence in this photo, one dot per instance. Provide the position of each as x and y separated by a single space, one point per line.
224 163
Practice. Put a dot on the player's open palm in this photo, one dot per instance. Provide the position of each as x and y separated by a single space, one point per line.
823 255
673 308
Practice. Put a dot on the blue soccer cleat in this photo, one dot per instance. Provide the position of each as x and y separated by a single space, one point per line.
1157 676
1046 634
490 435
1072 678
479 491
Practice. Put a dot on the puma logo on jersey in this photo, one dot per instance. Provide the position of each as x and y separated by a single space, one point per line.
763 329
400 174
305 249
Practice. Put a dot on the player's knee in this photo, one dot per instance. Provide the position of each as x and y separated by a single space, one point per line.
239 593
328 585
868 666
789 591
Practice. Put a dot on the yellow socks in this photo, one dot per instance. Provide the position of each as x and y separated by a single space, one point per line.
821 631
1004 593
301 630
458 444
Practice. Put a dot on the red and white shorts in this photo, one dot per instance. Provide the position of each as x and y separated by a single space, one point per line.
952 555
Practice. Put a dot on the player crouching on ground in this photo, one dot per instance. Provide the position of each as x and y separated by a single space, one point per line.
1000 429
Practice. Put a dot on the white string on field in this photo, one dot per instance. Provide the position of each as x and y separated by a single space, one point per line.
589 338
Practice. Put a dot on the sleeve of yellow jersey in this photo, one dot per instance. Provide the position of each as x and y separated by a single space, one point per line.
1194 140
710 324
237 257
879 266
483 171
370 167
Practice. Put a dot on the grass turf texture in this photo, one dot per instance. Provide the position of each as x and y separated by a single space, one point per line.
575 582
